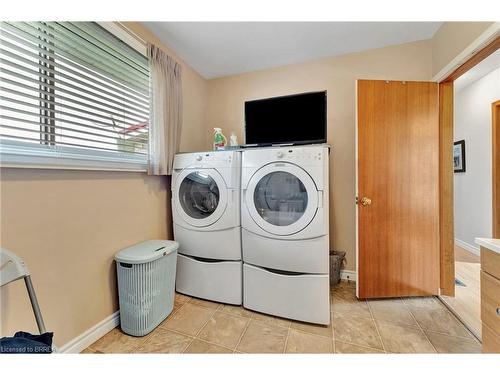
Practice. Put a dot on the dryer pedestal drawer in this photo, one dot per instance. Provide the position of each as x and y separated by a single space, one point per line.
300 297
212 280
307 256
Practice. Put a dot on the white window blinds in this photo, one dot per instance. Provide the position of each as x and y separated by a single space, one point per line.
72 91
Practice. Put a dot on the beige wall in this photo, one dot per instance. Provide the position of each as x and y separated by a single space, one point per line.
67 225
451 39
338 76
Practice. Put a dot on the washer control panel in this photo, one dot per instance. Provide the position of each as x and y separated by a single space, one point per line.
215 159
209 157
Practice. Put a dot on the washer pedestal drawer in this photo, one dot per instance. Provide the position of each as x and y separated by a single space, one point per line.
302 297
212 244
212 280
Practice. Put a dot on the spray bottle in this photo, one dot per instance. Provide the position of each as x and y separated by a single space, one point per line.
220 140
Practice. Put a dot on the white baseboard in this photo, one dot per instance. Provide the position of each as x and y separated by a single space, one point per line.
467 246
91 335
348 275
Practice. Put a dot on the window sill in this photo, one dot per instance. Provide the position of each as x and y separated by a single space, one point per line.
15 156
110 167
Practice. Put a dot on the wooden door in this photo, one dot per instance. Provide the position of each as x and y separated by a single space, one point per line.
398 189
495 111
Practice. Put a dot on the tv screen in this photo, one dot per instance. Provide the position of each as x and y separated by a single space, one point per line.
292 119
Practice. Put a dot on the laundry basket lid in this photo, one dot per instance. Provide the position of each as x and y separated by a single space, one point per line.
146 251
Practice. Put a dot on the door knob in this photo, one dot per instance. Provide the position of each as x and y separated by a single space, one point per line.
366 201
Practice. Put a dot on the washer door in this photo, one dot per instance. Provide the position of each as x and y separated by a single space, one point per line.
282 198
200 196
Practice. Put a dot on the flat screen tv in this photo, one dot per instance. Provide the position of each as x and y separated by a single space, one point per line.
292 119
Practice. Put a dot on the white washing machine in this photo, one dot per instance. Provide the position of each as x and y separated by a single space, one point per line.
285 242
206 217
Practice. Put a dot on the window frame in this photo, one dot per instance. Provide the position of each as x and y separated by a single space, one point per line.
46 155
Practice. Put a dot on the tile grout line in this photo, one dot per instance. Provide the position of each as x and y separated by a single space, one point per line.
333 330
211 316
376 327
307 333
264 324
311 333
207 342
206 323
250 319
242 334
212 343
221 310
331 321
233 314
174 312
171 316
442 304
188 345
456 317
372 319
286 339
198 332
472 338
418 324
362 346
193 337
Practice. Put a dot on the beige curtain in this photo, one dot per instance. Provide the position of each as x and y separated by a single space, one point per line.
165 118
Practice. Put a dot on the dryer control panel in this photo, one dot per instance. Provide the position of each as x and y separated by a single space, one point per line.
299 154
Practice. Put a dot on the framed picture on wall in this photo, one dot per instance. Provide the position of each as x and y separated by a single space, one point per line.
459 156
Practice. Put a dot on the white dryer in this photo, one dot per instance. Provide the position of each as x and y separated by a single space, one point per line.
206 217
285 228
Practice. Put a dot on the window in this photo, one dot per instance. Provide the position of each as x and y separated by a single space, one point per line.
72 94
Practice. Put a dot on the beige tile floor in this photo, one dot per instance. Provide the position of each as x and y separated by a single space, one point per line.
401 325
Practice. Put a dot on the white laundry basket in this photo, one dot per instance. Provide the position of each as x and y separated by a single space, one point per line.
146 284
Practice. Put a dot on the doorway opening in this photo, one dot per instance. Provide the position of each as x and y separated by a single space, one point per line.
475 93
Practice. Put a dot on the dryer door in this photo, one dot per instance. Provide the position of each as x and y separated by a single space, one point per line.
282 198
200 196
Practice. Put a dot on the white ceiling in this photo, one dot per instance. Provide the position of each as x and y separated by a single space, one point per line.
217 49
486 66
